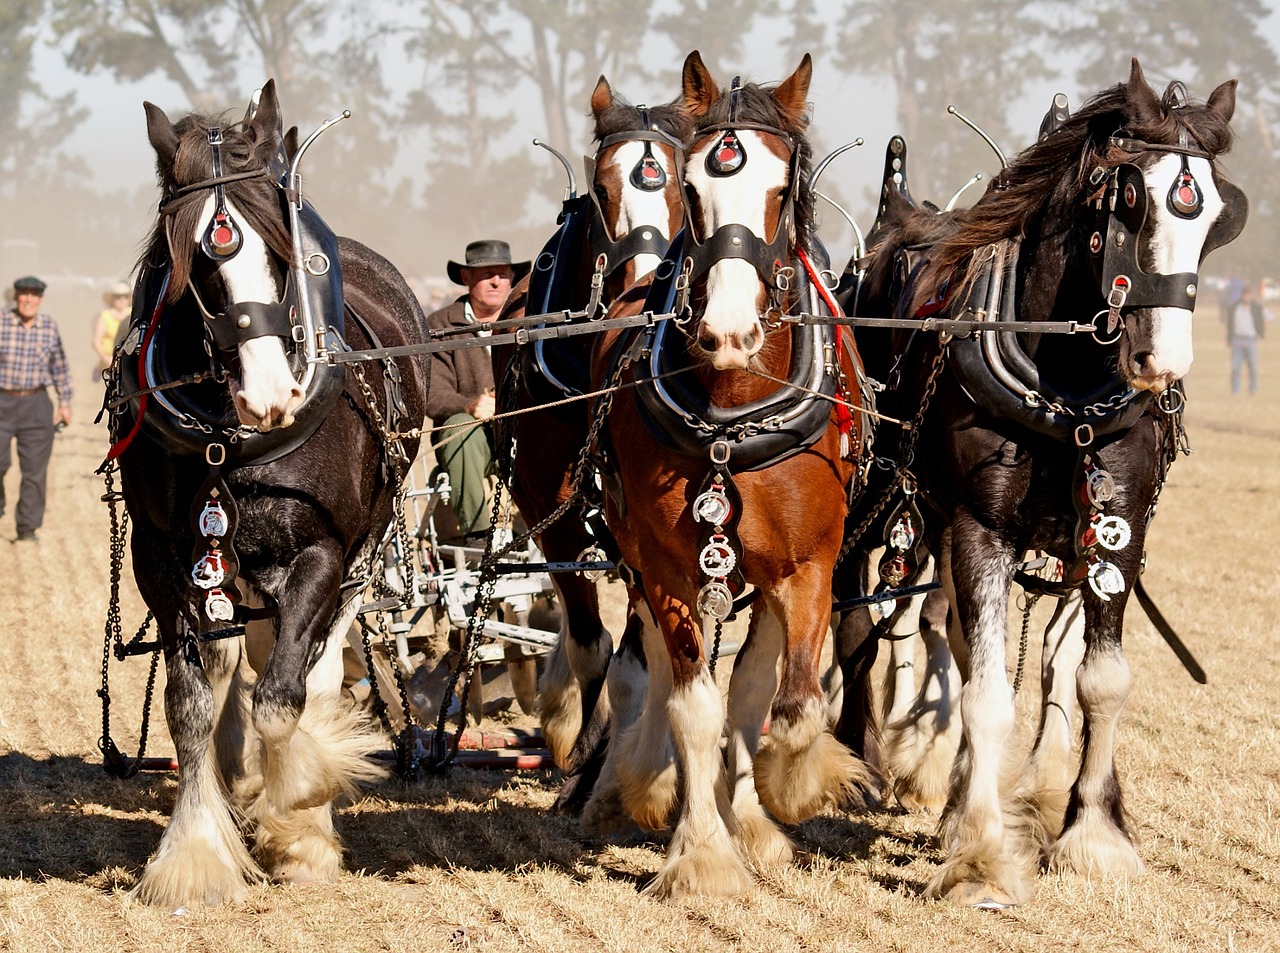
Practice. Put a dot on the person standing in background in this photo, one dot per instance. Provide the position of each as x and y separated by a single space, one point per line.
31 360
108 323
1246 326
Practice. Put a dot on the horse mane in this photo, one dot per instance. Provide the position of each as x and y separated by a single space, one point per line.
1051 177
257 201
672 118
756 104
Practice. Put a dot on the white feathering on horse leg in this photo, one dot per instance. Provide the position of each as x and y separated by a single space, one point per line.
1094 843
804 769
560 699
626 683
702 857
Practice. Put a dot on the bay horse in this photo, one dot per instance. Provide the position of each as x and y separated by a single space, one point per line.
274 469
749 425
613 234
1056 442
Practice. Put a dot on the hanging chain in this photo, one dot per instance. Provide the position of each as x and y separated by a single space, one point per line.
1029 603
907 451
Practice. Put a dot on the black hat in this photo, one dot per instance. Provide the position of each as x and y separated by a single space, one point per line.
29 283
486 252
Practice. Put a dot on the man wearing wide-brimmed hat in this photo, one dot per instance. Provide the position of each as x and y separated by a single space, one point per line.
462 391
31 361
106 328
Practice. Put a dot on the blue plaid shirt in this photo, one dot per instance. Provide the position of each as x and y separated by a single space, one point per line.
32 357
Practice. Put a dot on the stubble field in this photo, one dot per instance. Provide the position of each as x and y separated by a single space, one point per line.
474 861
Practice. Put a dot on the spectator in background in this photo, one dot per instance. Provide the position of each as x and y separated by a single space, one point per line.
1246 326
31 361
108 324
462 389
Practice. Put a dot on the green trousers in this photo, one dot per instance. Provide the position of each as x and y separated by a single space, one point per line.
467 460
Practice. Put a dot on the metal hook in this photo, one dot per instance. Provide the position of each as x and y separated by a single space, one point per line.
572 190
1004 163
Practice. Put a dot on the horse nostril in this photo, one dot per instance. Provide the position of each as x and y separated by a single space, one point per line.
707 341
751 340
1141 359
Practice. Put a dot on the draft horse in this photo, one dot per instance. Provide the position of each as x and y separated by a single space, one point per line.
1057 442
728 466
249 467
614 233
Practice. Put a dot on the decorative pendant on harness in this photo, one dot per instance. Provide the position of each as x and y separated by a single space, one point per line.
727 157
718 506
899 561
1184 195
214 517
1099 533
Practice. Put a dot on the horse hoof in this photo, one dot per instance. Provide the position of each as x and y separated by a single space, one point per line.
980 896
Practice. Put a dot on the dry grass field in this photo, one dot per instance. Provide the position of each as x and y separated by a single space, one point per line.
474 861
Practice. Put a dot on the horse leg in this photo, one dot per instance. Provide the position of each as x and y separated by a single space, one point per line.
751 690
643 757
1096 838
986 864
201 857
626 684
857 648
803 768
572 706
922 729
314 746
702 857
1053 765
234 744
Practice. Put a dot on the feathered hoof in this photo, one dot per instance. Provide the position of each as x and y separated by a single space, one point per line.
194 878
302 849
605 816
763 843
710 871
650 798
1093 846
560 710
915 801
795 785
987 887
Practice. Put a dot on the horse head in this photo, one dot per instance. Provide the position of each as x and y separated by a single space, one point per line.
634 181
1164 191
223 228
747 205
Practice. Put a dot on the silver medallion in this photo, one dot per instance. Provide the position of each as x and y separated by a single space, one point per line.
717 557
209 572
1105 579
213 520
218 607
715 600
1113 532
712 506
592 554
903 534
1101 487
885 607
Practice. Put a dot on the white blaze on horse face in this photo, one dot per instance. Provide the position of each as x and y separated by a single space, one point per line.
732 318
266 394
1160 351
641 209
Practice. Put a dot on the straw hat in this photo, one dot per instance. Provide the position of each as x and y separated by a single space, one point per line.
117 290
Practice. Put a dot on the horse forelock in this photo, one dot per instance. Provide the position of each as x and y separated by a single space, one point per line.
621 117
1050 178
256 201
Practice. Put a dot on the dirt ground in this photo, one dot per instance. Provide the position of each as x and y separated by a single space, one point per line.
474 860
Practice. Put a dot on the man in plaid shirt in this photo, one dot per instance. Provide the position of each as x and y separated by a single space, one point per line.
31 361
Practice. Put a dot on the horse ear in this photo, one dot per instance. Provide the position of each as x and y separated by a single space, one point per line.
601 97
699 89
266 119
1143 103
792 93
1223 100
291 143
162 135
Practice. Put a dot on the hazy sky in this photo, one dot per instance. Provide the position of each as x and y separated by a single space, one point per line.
845 108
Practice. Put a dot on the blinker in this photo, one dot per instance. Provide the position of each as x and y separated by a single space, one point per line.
221 240
648 175
1184 195
727 157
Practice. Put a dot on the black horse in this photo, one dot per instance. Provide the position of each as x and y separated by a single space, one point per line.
261 466
1051 441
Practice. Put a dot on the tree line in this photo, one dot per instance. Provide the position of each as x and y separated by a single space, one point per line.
441 84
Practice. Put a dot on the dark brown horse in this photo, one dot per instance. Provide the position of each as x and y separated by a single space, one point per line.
616 232
271 472
726 474
1055 442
